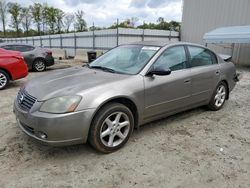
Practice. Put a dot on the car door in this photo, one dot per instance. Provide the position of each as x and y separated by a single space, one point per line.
27 53
164 94
205 73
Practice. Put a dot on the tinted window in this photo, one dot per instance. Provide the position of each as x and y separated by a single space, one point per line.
201 56
8 47
173 58
21 48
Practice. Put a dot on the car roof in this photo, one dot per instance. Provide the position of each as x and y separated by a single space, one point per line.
163 43
15 44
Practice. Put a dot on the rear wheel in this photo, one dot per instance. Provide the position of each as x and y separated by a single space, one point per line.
111 128
39 65
4 79
219 97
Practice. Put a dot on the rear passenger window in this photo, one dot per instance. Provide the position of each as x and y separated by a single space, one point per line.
21 48
201 56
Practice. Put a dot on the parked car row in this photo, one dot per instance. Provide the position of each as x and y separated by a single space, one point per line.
17 59
37 58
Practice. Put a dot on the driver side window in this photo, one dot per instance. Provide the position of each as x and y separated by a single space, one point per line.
173 58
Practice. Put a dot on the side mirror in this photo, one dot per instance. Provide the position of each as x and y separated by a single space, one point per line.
160 71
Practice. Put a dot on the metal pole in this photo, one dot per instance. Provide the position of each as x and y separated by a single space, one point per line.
117 33
233 44
143 30
41 43
75 41
93 29
49 42
169 38
61 41
33 42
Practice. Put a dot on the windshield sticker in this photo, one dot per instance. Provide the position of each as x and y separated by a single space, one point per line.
154 48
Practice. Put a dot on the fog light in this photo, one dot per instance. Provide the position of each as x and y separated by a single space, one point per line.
42 135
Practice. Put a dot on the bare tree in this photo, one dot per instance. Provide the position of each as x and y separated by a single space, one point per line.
59 19
3 13
68 20
80 22
26 19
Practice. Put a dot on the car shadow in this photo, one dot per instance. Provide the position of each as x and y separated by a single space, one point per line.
15 84
173 118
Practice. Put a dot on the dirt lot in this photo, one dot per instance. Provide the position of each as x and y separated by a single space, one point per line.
198 148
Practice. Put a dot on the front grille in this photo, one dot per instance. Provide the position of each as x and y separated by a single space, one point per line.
25 101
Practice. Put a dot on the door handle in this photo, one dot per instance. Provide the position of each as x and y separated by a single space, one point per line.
187 81
217 72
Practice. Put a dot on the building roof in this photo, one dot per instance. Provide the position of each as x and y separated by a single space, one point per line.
234 34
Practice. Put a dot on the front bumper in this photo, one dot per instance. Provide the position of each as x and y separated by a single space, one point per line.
60 129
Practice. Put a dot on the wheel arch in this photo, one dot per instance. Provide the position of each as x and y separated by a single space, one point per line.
38 58
126 101
227 88
8 72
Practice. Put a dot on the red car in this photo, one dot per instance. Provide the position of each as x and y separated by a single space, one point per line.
12 67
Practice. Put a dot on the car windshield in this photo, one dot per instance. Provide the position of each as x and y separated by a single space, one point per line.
127 59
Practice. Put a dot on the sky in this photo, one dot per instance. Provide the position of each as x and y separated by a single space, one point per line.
105 12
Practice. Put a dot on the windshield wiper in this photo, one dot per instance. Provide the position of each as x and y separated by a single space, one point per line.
103 68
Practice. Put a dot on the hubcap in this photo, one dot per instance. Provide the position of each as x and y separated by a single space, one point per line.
3 80
220 96
39 65
115 129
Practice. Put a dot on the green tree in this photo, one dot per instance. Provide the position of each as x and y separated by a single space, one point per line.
51 17
44 18
80 23
26 19
3 14
175 25
15 11
36 11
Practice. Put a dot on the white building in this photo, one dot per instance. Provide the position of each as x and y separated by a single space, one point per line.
201 16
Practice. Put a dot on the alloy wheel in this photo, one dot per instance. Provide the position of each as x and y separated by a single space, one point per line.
220 96
39 65
115 129
3 80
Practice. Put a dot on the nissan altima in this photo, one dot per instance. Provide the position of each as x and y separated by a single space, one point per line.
130 85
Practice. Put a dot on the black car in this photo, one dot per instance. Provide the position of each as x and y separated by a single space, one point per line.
36 58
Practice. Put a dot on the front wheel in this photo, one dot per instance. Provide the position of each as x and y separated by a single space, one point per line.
111 128
39 65
4 79
219 97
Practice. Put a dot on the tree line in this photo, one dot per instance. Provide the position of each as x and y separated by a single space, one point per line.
42 19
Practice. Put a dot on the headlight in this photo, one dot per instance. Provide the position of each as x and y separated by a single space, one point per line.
60 105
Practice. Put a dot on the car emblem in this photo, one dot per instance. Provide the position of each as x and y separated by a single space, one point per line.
21 98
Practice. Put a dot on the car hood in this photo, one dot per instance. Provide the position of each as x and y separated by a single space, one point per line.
70 81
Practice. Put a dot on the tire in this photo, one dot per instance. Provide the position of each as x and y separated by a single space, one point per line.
219 97
115 135
39 65
4 79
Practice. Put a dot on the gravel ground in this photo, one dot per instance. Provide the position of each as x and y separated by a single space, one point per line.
197 148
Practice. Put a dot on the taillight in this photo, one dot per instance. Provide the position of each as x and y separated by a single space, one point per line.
19 57
49 53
